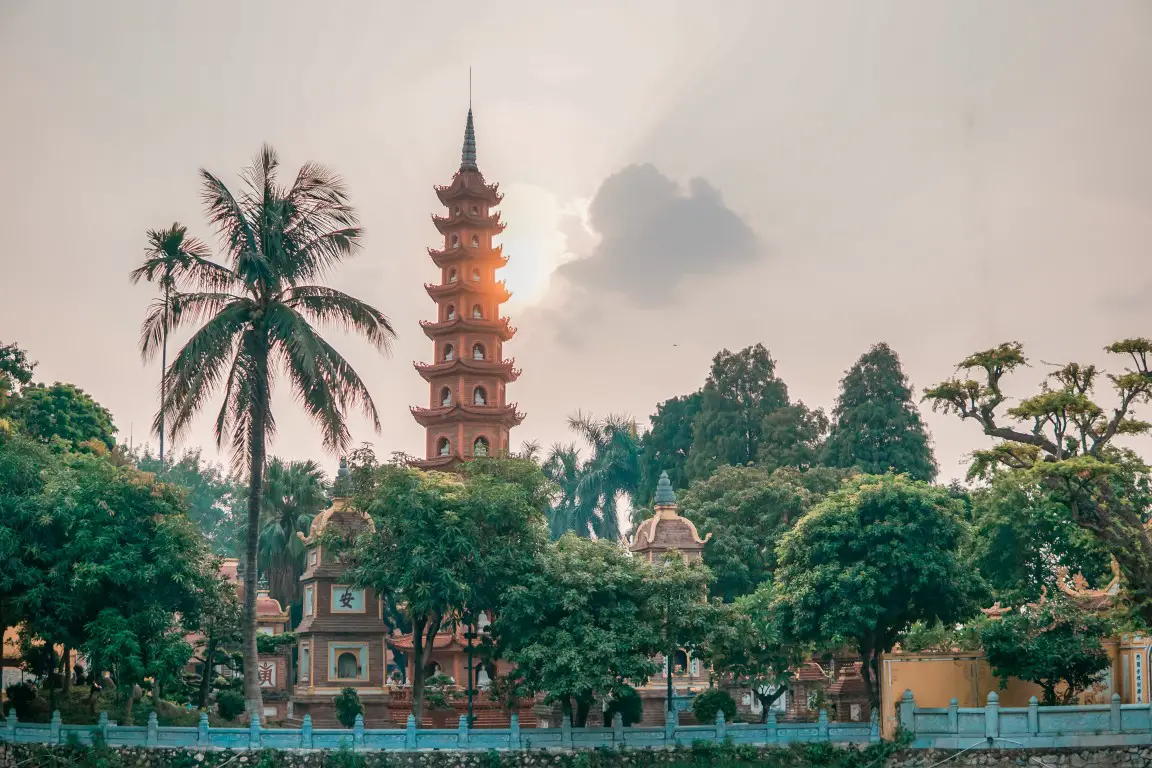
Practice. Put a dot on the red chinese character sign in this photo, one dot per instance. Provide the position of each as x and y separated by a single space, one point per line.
267 674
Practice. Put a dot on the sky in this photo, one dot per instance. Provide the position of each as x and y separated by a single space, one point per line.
679 178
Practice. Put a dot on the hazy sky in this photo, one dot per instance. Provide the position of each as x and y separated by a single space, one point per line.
814 175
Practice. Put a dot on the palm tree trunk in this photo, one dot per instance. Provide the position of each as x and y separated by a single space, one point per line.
253 701
206 676
163 371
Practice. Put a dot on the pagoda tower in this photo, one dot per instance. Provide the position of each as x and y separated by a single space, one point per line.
467 414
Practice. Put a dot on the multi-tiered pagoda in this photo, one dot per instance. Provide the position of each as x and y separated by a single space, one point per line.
468 415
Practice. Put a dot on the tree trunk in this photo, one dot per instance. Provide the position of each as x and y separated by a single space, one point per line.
163 371
206 676
253 700
766 702
67 683
583 706
871 684
418 626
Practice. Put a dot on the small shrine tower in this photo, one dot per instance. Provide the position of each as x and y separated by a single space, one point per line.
341 635
667 530
468 415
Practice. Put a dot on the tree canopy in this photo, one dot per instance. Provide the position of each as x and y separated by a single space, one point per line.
64 412
876 426
867 562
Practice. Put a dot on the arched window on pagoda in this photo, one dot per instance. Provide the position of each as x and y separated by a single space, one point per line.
475 275
479 396
445 397
680 662
475 241
455 240
449 352
477 351
451 312
480 447
443 446
477 312
456 212
452 275
475 211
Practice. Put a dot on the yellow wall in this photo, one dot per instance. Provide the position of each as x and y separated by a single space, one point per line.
937 678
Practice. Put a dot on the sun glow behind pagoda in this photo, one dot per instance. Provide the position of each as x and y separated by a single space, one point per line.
467 415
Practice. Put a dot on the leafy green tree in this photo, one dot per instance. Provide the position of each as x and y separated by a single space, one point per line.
867 562
259 312
1054 644
348 707
295 492
792 437
666 445
170 254
445 547
15 372
578 625
210 494
876 426
742 389
1062 440
748 643
679 607
746 510
219 626
1022 535
706 705
62 411
22 474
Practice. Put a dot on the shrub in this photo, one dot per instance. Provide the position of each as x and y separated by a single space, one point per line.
230 704
348 706
628 703
20 697
707 704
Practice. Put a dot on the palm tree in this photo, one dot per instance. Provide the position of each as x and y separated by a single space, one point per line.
294 493
258 311
170 255
612 471
568 514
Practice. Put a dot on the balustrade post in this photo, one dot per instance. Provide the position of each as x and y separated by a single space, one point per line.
102 726
1116 723
202 737
306 733
773 726
908 712
671 720
254 732
954 716
992 716
358 732
410 733
822 725
618 729
462 732
1033 715
721 726
566 731
12 720
54 728
514 732
153 730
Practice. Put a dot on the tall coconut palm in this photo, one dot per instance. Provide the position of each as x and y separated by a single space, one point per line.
258 310
568 513
171 254
613 469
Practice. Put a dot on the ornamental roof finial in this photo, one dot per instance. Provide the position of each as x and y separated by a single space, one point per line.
468 153
665 496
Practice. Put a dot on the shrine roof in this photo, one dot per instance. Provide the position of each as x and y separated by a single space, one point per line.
340 518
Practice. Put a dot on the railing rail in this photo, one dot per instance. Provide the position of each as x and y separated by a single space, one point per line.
412 738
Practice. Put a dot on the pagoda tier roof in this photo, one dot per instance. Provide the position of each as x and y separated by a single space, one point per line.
440 641
469 184
446 463
463 253
491 222
497 290
503 369
501 328
505 415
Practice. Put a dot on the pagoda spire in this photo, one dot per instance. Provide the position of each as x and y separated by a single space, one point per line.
468 153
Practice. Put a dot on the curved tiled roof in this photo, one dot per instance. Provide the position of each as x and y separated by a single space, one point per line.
340 517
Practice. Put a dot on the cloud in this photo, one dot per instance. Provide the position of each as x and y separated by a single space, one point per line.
653 234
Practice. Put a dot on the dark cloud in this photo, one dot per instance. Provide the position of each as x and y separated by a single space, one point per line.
653 234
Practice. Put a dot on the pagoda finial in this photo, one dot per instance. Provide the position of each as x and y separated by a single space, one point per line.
468 154
665 496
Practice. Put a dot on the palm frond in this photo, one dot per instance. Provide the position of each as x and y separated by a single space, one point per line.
334 308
